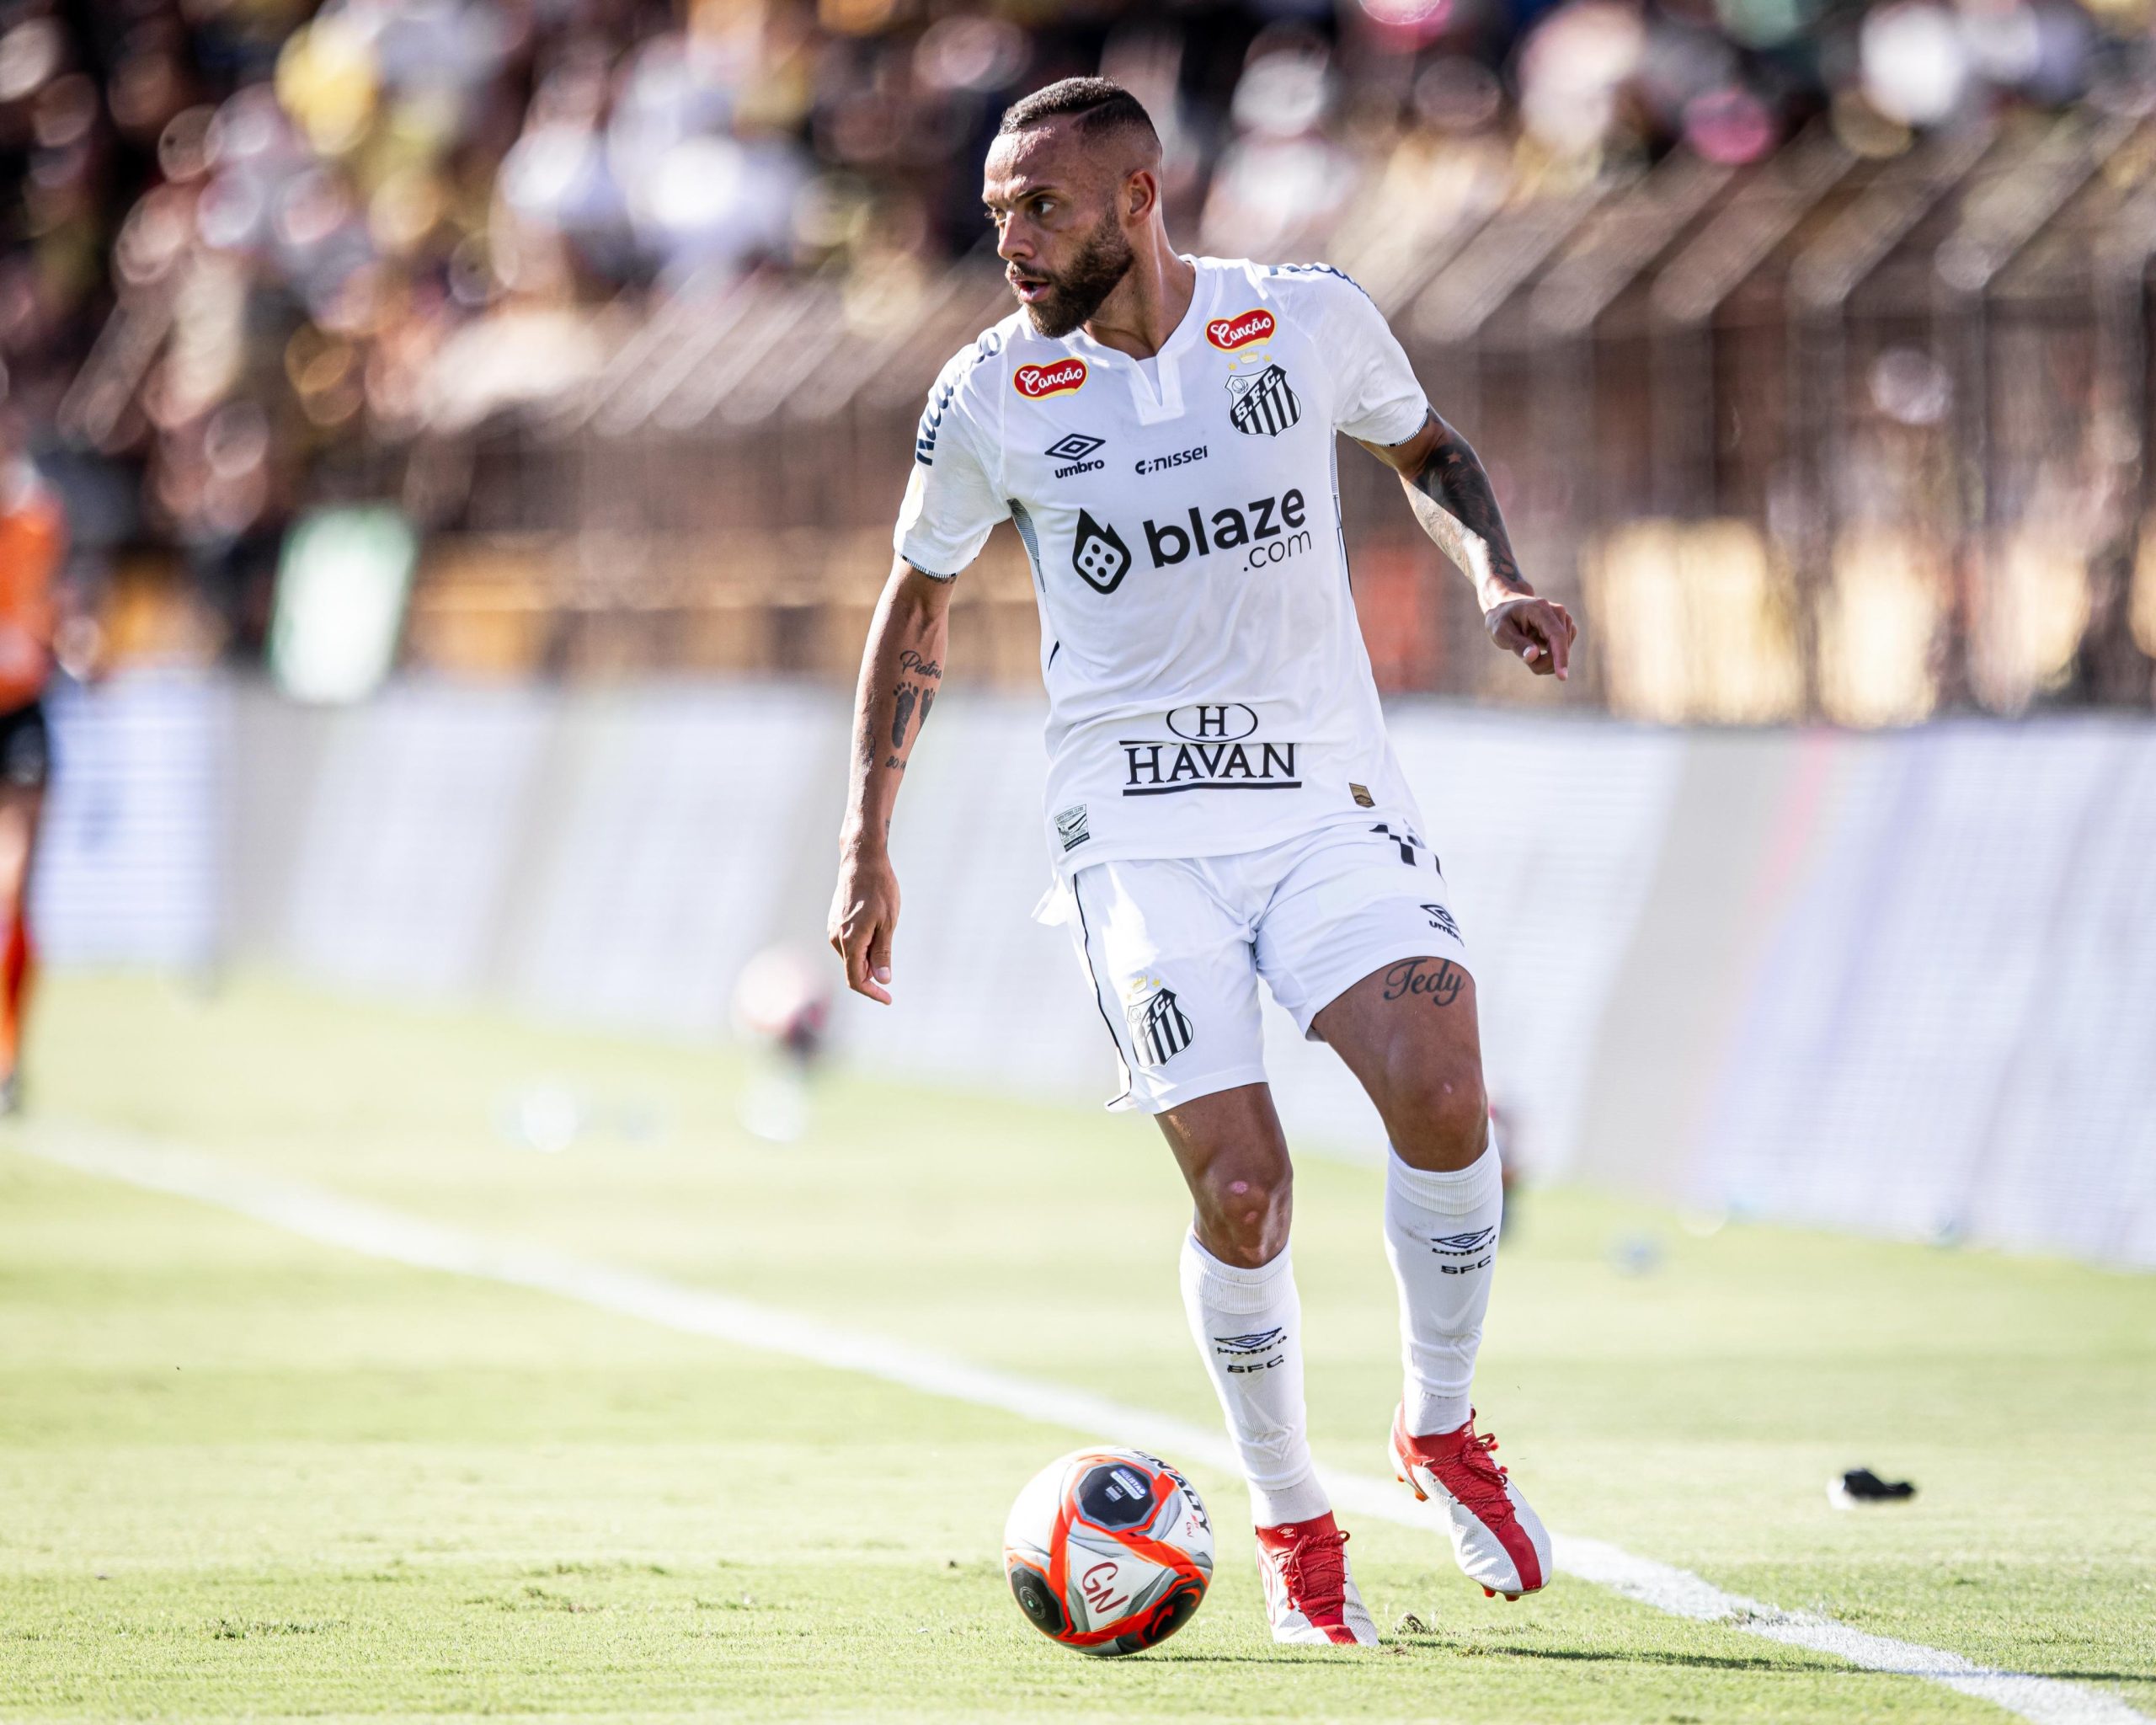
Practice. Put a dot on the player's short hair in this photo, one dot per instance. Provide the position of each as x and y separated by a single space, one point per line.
1097 107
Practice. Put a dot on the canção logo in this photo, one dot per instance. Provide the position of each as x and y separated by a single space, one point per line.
1229 334
1038 383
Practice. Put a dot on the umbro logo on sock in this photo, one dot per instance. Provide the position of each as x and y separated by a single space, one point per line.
1258 1351
1460 1245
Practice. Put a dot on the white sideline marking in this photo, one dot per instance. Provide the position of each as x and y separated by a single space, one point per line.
358 1227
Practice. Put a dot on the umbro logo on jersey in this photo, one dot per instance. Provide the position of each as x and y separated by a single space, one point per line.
1263 406
1441 917
1038 383
1072 451
1099 554
1229 334
1160 1030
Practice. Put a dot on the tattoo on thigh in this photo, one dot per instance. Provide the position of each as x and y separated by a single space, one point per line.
1411 977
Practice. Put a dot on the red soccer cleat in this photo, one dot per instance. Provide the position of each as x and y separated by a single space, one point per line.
1498 1540
1309 1596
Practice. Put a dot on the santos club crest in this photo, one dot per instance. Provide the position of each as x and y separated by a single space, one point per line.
1264 405
1159 1029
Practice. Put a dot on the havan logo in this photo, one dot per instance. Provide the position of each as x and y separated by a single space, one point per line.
1214 749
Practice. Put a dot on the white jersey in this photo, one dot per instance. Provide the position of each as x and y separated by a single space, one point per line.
1208 691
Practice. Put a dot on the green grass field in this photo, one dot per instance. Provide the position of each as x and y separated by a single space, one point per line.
244 1474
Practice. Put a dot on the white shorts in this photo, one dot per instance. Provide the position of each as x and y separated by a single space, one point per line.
1173 947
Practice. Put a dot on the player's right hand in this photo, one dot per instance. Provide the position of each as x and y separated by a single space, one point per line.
864 912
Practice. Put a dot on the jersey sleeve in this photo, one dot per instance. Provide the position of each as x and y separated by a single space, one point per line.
1376 397
951 503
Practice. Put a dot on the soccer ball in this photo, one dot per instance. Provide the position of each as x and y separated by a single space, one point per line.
1108 1551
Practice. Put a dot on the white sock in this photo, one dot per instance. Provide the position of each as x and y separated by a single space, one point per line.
1441 1234
1249 1326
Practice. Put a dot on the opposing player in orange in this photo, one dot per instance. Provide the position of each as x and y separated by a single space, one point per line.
33 537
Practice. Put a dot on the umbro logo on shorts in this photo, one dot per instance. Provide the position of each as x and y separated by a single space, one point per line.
1441 917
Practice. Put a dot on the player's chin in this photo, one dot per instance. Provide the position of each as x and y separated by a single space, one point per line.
1051 317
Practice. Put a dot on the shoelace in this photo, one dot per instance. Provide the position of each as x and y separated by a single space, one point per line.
1485 1478
1316 1568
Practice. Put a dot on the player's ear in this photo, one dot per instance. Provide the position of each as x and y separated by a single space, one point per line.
1140 192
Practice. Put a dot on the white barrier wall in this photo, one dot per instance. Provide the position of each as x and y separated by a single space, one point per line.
1903 983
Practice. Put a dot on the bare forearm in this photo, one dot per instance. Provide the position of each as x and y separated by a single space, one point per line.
901 670
1451 497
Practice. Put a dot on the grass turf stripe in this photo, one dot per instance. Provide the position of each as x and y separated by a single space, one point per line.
376 1231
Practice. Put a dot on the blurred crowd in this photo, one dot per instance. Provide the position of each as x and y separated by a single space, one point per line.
249 245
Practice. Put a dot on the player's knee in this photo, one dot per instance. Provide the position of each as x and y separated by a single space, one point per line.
1243 1214
1439 1116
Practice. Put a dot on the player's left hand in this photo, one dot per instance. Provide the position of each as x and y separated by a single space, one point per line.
1540 631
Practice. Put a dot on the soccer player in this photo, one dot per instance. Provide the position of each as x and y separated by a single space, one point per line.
32 537
1222 802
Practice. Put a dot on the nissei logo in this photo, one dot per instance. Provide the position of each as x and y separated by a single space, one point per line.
1162 463
1229 334
1272 527
1038 383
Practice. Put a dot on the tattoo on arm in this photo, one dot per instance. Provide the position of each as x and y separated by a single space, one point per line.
919 693
1452 499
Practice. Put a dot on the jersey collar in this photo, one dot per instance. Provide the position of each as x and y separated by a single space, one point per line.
1161 400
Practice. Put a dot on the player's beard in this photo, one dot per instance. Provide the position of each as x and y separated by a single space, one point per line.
1076 292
